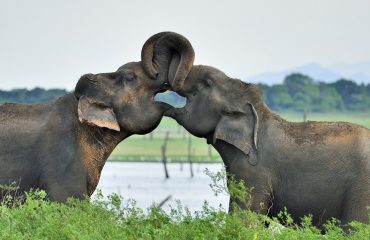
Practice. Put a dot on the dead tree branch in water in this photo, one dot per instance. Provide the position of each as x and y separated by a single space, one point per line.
164 157
189 157
164 201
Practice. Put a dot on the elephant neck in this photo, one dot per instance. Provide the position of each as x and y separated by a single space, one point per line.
95 144
230 156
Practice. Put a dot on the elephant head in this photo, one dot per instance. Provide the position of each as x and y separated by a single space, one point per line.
124 100
220 108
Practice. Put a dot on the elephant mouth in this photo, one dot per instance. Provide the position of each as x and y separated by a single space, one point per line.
163 106
164 87
177 112
166 95
180 110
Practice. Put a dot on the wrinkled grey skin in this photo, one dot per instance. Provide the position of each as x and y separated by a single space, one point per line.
319 168
62 146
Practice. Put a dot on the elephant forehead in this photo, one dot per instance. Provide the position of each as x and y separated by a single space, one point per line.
138 70
222 96
130 65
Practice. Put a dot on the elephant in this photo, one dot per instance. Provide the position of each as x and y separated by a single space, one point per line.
61 146
310 168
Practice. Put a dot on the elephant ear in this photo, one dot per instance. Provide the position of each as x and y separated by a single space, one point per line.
240 129
92 113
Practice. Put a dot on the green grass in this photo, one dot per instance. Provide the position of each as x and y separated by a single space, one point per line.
143 148
38 218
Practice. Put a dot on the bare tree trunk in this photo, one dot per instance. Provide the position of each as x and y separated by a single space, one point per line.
304 115
183 134
183 137
189 157
210 151
164 157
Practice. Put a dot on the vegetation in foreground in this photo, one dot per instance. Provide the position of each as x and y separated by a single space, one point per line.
113 218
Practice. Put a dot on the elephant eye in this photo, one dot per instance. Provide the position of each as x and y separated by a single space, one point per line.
207 83
130 77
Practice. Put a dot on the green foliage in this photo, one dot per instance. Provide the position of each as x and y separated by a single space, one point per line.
35 217
355 97
300 92
329 99
225 183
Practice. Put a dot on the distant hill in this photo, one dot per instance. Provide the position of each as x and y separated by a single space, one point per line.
359 73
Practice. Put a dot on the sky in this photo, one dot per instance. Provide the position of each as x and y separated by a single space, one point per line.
50 43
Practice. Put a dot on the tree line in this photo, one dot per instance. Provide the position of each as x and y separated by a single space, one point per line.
298 92
36 95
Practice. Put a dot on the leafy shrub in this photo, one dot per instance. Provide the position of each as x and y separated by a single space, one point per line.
35 217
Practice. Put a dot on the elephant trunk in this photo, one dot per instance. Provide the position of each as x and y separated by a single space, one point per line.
147 54
169 57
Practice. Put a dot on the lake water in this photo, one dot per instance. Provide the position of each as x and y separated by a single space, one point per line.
146 183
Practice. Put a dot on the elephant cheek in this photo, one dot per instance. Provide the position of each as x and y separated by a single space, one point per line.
147 120
129 120
188 123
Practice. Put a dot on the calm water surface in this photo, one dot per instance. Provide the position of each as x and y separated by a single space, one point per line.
146 183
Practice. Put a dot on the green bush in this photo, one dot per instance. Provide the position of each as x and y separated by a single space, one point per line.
35 217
